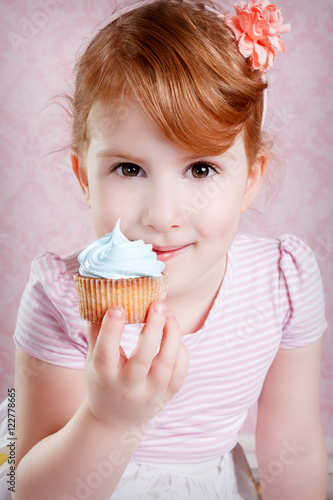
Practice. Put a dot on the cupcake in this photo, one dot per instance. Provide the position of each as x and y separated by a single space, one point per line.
116 271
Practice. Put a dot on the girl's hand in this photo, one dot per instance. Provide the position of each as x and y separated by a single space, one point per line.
129 391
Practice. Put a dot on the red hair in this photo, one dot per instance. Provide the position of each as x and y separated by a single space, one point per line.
181 63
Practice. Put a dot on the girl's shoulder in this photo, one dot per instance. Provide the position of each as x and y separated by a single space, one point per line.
49 326
52 276
50 266
287 268
288 252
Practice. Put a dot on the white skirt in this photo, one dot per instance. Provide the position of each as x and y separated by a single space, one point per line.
227 478
214 481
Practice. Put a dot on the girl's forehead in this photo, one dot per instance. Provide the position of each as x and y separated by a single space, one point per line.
126 128
107 112
121 117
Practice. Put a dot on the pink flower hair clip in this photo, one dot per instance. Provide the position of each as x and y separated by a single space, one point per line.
257 27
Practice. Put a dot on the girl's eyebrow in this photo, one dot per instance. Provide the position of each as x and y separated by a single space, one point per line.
107 153
119 154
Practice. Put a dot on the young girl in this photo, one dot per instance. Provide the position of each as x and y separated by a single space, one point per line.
167 135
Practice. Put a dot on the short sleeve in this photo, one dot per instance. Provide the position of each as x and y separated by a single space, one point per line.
302 305
49 326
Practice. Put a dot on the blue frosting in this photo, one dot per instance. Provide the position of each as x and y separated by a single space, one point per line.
114 256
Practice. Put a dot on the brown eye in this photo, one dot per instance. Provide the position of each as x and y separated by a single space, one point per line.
201 170
129 169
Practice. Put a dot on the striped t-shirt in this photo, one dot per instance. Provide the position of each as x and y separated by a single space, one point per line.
271 298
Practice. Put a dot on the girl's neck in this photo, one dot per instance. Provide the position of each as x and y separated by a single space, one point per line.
193 306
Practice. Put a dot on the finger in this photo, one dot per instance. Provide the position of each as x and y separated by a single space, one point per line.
179 372
92 334
163 364
139 363
106 353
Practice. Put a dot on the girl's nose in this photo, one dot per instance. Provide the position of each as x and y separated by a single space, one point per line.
163 208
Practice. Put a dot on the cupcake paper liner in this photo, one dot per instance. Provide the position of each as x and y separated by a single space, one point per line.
97 295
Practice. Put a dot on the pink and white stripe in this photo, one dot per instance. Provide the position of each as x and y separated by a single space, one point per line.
271 298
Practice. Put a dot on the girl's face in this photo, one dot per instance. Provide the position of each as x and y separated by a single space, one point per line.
187 207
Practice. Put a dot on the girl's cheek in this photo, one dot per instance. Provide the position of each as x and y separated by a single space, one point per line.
218 203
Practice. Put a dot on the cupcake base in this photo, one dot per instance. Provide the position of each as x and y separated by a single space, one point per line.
96 296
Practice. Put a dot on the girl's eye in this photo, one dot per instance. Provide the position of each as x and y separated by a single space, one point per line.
128 170
201 170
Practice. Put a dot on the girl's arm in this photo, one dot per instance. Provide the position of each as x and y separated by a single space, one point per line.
76 430
290 444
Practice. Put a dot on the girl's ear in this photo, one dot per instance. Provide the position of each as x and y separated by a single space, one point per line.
81 175
255 178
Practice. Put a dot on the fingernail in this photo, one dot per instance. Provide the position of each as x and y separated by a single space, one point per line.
170 315
115 313
159 307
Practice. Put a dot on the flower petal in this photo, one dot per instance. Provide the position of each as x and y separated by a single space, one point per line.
255 33
245 22
261 53
245 45
271 56
255 63
237 9
285 28
274 41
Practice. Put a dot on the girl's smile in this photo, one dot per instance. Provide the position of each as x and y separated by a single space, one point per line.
166 253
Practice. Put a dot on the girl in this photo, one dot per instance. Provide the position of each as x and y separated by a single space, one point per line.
167 118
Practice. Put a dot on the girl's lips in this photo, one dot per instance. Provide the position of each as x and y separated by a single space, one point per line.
167 253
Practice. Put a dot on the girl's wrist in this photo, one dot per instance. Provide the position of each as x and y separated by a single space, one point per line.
111 427
125 438
124 432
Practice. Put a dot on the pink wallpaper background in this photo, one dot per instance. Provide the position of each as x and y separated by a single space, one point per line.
41 208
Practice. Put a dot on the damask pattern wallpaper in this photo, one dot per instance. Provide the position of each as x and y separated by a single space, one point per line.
41 208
